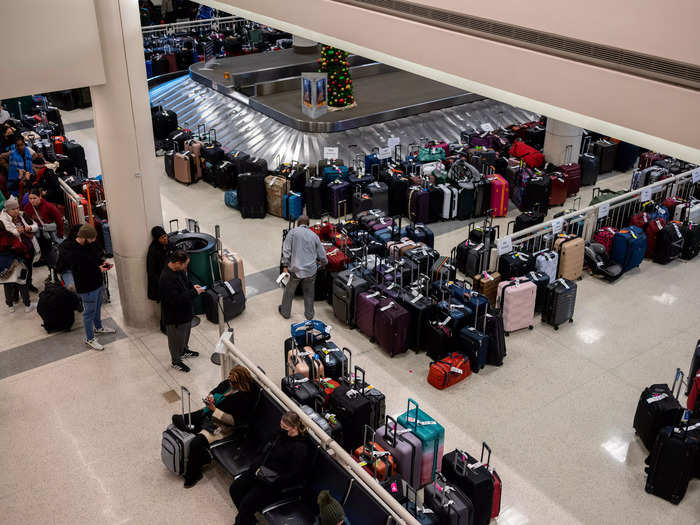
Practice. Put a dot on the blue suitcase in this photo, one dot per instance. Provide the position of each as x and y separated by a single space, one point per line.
231 199
292 206
387 234
629 247
333 173
149 69
421 233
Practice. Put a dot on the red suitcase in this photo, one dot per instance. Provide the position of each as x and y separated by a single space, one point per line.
497 489
558 189
653 228
337 260
499 195
391 322
605 237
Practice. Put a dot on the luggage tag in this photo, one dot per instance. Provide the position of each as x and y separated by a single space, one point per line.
563 282
456 370
656 398
350 279
416 298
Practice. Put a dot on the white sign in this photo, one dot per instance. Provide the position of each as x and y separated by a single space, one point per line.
505 245
215 86
557 225
487 127
645 195
384 153
603 210
696 175
330 153
393 142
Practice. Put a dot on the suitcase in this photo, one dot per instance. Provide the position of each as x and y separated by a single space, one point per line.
420 310
547 261
175 444
292 206
532 157
353 412
516 299
590 168
234 299
300 388
606 152
482 197
669 243
658 407
373 458
572 174
337 260
447 202
431 435
527 220
652 230
487 284
313 197
541 280
346 287
691 240
571 251
605 236
195 146
499 195
558 192
391 322
418 205
694 367
671 463
421 233
629 247
404 447
328 423
231 199
338 198
221 174
474 479
625 156
449 503
184 167
474 343
252 196
514 264
559 302
497 339
303 360
377 400
365 311
379 193
361 202
449 370
336 362
275 188
465 200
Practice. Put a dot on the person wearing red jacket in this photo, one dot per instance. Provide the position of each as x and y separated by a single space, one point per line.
13 248
44 213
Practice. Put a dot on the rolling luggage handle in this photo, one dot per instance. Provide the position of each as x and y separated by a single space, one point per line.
188 424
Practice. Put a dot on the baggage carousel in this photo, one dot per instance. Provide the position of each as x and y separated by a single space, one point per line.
256 107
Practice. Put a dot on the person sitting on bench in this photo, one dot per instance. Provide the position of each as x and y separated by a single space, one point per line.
228 406
280 466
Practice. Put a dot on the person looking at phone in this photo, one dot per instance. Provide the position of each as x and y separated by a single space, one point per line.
87 266
279 466
227 408
177 294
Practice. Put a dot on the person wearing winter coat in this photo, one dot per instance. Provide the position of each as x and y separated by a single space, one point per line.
24 228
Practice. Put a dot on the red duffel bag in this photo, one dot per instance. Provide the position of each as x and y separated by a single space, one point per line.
449 370
531 156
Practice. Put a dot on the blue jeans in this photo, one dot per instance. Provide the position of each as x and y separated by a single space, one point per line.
92 315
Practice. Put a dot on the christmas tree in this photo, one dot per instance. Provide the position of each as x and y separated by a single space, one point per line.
335 62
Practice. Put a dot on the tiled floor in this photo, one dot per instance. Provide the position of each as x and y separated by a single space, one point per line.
80 436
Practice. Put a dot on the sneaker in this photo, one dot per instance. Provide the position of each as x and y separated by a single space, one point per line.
94 344
11 309
279 309
179 365
33 288
30 308
105 330
190 353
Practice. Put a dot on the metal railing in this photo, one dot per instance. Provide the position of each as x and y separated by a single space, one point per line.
212 24
614 212
75 204
397 513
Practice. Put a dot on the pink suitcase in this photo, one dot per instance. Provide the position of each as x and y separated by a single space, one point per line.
516 298
499 195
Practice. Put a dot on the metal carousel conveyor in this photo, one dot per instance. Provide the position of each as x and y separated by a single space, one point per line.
239 126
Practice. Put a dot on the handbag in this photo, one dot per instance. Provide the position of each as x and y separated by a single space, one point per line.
266 475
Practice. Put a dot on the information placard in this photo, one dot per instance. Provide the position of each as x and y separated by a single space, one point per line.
384 153
487 127
557 225
330 152
393 142
603 210
696 175
645 194
505 245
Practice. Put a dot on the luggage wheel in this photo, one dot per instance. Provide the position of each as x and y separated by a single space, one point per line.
571 320
556 327
507 333
530 327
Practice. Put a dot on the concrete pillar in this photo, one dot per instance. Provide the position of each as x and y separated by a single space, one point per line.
559 136
125 140
303 45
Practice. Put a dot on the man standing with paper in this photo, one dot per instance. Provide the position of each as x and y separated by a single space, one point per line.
302 254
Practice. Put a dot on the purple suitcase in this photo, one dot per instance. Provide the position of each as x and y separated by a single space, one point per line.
382 223
406 448
418 205
517 298
339 198
391 326
365 310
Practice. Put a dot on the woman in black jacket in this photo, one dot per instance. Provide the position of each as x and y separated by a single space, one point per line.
156 260
281 465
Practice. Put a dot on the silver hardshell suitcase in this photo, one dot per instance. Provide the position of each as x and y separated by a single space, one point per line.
175 446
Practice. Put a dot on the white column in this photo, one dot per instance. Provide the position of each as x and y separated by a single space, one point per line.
559 136
125 140
303 45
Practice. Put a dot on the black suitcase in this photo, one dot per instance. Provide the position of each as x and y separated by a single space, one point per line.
336 361
657 408
691 241
537 190
606 152
559 303
497 339
379 192
252 197
478 234
626 156
514 264
346 287
671 463
225 176
450 504
313 198
168 160
527 219
234 300
694 367
590 167
377 400
476 482
164 122
398 195
541 279
420 309
76 154
353 411
361 202
436 198
300 388
669 244
438 340
482 197
534 137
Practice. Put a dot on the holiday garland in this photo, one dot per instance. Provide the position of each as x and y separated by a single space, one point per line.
335 62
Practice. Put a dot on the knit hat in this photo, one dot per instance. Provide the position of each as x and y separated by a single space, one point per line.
87 231
11 204
330 510
156 232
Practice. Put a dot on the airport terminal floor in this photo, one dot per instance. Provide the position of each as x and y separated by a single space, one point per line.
82 429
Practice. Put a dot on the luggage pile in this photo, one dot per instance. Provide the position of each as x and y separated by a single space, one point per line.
403 453
671 433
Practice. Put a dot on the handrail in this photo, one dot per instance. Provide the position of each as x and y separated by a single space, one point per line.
630 195
74 205
191 24
401 515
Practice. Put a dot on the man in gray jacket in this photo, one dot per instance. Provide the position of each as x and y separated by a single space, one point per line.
302 254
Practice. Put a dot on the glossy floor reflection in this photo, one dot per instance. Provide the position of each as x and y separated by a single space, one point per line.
81 436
